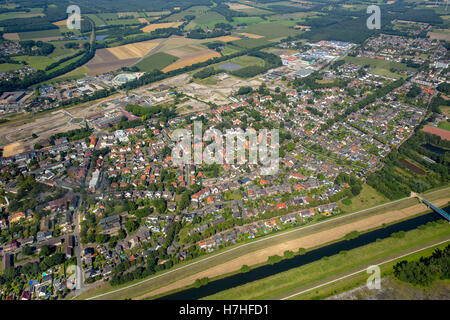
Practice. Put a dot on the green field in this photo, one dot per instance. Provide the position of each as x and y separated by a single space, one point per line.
35 12
97 20
41 62
243 61
248 20
31 35
368 197
444 125
254 11
35 62
230 49
361 278
250 43
125 22
209 19
379 66
444 110
156 13
271 30
156 61
288 282
193 11
5 67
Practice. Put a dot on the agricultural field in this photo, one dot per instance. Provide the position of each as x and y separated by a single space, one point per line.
250 43
44 35
156 61
156 13
34 12
133 50
41 62
224 39
97 20
209 19
189 55
412 166
193 11
241 62
111 59
154 26
271 30
240 7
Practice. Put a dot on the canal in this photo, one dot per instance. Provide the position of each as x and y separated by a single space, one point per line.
299 260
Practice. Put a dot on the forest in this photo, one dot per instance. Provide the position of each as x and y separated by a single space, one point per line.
426 270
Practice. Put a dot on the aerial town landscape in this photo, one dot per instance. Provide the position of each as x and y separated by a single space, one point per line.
94 206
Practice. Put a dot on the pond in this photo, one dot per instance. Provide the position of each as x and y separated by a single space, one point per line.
229 66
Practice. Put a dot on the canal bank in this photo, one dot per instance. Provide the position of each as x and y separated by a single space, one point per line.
265 271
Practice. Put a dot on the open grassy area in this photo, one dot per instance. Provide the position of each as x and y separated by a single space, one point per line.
158 61
361 278
35 12
35 62
271 30
31 35
194 11
444 125
368 197
379 66
5 67
250 43
97 20
209 19
243 61
285 282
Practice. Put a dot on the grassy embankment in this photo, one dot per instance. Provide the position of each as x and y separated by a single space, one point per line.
291 281
219 257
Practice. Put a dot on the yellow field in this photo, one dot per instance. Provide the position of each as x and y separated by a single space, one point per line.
143 20
225 38
238 6
252 36
13 149
60 22
11 36
133 50
190 60
155 26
